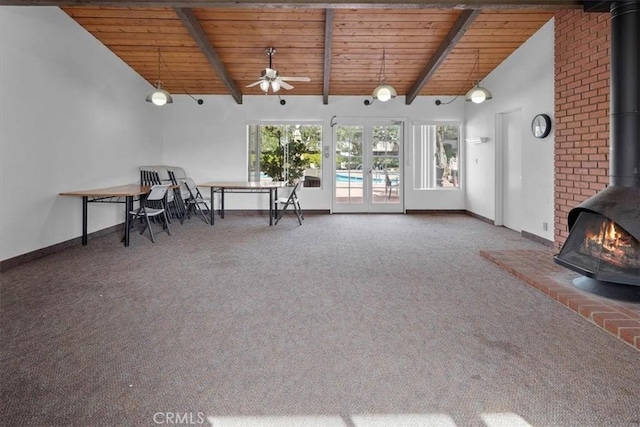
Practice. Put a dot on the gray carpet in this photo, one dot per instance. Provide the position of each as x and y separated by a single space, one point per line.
348 320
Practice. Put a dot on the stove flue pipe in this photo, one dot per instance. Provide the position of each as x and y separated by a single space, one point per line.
624 124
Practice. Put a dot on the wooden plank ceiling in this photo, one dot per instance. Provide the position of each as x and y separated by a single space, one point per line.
349 65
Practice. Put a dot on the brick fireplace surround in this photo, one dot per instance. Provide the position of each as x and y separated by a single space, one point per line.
581 126
581 111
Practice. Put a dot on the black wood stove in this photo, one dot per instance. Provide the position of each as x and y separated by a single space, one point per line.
604 237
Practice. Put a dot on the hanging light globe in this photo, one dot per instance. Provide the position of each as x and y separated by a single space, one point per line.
159 96
384 92
478 94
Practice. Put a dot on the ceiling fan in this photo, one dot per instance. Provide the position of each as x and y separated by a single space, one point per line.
271 79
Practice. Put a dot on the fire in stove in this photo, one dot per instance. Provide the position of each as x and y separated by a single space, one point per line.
599 248
612 244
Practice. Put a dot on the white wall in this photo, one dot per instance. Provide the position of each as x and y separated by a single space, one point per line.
209 140
525 82
72 117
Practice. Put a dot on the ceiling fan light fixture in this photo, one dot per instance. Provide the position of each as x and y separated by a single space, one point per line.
478 94
159 96
270 79
384 92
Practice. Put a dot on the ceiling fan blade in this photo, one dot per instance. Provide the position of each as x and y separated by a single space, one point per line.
296 79
285 85
254 83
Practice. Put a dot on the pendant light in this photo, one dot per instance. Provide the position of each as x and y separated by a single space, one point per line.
383 92
159 96
478 94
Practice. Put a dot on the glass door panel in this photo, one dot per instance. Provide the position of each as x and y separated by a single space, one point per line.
368 168
348 170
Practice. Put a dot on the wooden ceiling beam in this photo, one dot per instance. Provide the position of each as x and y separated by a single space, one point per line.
316 4
328 39
195 30
456 32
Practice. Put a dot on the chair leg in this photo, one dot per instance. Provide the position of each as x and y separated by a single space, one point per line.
299 208
298 214
166 223
296 209
134 216
198 209
175 208
177 199
281 213
206 215
146 223
165 205
150 229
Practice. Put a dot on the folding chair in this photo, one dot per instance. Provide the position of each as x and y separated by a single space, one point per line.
196 201
149 209
292 201
389 185
176 198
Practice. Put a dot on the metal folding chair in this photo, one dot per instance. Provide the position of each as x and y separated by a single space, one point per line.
292 201
176 198
149 209
196 201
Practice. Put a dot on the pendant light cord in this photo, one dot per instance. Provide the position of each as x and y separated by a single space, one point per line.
161 58
159 63
477 63
382 76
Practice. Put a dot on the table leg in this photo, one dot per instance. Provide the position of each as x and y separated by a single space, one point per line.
211 210
222 203
272 205
85 203
128 206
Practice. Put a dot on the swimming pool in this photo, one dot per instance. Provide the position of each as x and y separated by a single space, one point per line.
343 177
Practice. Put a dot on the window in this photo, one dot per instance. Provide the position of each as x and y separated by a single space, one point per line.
436 153
285 152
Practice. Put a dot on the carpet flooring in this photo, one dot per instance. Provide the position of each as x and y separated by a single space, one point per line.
346 321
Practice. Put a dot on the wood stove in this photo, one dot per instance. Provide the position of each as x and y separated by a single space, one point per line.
604 241
604 236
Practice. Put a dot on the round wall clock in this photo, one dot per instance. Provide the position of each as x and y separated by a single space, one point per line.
541 125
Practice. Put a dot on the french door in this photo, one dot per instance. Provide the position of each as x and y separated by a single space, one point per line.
368 167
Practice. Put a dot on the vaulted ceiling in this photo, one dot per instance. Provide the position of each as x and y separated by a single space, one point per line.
218 47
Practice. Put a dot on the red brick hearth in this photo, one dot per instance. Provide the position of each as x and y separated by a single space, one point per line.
536 268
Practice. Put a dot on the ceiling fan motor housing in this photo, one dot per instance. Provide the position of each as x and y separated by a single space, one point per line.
271 79
269 73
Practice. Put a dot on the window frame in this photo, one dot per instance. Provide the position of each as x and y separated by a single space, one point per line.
424 153
285 123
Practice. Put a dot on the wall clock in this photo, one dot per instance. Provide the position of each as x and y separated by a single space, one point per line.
541 125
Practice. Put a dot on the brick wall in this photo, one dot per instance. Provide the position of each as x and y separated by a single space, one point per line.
581 111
